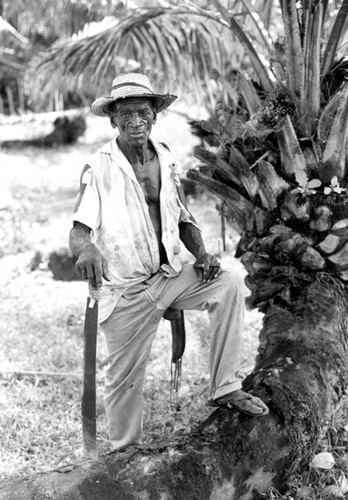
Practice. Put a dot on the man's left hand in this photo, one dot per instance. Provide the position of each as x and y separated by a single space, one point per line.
207 267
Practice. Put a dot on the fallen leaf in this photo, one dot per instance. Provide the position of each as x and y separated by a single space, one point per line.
343 483
331 492
323 460
305 492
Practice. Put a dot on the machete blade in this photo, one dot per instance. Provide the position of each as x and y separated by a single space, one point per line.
88 407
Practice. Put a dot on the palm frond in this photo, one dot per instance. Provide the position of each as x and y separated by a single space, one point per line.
293 160
266 9
8 32
249 94
258 26
334 39
260 69
179 46
334 79
334 156
293 46
310 96
60 18
168 46
327 116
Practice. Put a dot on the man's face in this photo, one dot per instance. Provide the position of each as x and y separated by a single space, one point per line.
134 118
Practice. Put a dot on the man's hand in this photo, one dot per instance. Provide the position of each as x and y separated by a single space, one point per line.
207 267
92 265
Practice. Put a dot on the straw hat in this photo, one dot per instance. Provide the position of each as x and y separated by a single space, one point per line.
131 85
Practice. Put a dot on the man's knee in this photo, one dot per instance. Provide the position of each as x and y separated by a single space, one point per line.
232 280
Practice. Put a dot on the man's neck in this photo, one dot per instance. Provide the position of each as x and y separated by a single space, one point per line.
136 155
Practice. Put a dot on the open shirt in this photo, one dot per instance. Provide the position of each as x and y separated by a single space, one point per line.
113 206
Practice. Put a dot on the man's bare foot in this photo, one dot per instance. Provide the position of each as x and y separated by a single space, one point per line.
243 402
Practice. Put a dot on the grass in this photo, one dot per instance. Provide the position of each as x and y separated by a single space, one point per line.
41 324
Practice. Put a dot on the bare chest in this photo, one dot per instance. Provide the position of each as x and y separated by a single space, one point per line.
149 178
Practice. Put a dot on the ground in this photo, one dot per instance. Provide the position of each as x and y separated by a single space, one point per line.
41 322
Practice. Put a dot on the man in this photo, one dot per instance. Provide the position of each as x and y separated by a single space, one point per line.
128 223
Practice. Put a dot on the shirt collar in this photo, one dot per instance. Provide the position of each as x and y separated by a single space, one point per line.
165 156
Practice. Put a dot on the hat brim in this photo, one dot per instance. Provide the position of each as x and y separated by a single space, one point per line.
100 106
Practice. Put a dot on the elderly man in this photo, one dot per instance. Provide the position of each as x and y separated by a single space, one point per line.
128 222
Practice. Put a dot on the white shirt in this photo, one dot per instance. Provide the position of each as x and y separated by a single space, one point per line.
113 205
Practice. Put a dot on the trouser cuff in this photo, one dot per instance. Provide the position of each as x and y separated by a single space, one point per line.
226 389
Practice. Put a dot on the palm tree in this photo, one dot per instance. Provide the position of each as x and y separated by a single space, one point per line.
26 28
275 152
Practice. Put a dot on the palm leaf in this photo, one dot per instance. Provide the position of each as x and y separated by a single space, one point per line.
249 94
8 32
334 156
258 25
248 46
293 46
60 18
293 160
162 39
327 117
163 43
310 96
266 9
334 39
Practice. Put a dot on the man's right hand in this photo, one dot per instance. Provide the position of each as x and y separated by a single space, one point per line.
92 265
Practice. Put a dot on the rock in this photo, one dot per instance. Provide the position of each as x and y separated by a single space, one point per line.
340 259
322 217
329 245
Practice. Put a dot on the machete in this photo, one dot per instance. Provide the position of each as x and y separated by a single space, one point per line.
177 323
88 406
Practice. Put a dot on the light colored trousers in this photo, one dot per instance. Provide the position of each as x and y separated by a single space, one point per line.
132 326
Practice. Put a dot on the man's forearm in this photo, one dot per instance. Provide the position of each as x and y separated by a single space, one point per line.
79 237
192 239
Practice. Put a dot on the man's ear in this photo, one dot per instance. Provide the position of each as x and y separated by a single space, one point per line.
113 120
154 117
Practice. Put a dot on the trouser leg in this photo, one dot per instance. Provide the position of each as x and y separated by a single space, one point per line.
132 326
129 333
224 300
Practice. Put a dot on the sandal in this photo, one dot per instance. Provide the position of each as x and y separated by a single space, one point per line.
243 402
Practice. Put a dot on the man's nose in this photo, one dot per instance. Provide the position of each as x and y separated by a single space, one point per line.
135 120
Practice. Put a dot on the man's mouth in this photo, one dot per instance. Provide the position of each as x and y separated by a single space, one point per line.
136 134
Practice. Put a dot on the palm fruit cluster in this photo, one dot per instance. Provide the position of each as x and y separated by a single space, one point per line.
276 106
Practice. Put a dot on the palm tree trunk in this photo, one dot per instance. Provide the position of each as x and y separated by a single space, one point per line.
301 372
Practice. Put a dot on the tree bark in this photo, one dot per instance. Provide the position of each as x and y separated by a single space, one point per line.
301 372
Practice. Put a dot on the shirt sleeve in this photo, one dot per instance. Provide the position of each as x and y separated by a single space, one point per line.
185 215
87 208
